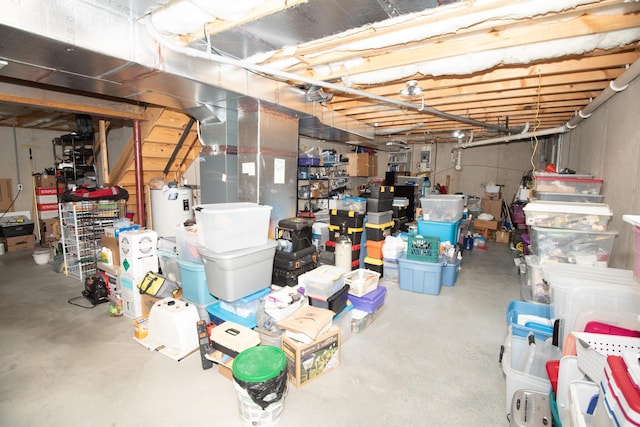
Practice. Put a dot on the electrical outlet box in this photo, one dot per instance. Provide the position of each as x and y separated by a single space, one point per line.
20 187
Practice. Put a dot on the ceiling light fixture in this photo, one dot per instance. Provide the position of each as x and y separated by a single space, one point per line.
412 89
458 134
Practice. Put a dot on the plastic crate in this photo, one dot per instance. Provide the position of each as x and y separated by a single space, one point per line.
442 207
419 276
423 248
362 281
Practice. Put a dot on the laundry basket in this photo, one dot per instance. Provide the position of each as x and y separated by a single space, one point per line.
592 351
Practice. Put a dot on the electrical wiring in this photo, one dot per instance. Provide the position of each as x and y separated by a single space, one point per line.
11 205
536 125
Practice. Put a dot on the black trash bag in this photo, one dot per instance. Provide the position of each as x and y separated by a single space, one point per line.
266 392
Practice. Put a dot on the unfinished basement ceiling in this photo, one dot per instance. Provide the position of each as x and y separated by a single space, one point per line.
487 68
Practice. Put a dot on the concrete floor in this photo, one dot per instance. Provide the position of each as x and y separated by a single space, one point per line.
425 361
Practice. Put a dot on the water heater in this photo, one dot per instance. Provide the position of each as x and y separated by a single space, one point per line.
170 207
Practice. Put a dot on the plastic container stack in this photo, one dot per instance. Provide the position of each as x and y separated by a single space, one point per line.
235 249
564 228
355 227
378 226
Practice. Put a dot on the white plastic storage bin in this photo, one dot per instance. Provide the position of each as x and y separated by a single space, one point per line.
522 373
226 227
571 216
233 275
442 207
572 246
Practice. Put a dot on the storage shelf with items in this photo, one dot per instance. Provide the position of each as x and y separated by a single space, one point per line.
316 184
82 224
399 161
74 160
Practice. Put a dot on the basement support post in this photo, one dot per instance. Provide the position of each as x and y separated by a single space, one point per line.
137 149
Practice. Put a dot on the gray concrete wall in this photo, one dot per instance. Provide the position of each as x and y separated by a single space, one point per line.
607 144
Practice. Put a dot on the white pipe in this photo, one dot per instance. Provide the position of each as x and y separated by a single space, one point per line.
176 47
615 86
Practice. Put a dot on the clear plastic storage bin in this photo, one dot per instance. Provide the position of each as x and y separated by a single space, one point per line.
226 227
568 197
572 246
572 216
563 183
322 282
442 207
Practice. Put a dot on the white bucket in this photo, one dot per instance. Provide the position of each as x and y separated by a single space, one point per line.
253 415
41 256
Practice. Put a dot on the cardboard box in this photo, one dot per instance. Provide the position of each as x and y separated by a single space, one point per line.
485 224
18 243
45 181
493 207
112 244
492 196
503 236
50 229
48 206
361 164
306 362
147 303
6 195
48 214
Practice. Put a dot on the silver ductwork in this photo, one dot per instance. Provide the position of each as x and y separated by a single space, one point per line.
59 46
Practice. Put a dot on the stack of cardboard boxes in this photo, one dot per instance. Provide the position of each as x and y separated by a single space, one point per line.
491 204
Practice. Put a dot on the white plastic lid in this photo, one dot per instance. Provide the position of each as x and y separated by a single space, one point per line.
569 207
632 219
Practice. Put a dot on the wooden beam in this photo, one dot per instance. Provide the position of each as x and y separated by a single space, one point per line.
25 95
104 160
